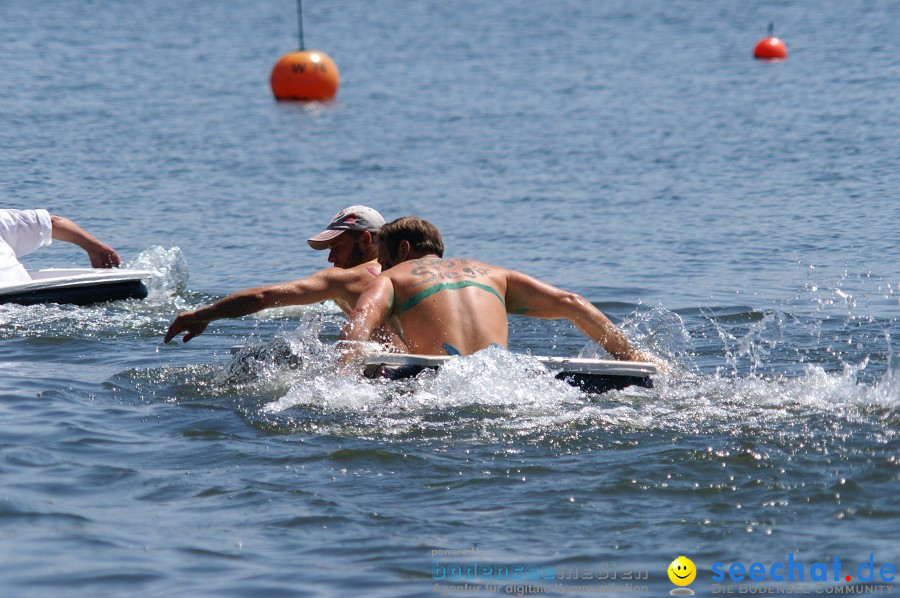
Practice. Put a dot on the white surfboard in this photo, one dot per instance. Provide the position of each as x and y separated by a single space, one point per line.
79 286
591 375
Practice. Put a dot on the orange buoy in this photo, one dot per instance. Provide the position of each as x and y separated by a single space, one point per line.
307 75
770 48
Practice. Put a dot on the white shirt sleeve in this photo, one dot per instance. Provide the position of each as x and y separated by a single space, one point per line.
26 230
21 232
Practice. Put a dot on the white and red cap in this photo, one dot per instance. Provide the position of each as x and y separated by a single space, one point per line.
360 218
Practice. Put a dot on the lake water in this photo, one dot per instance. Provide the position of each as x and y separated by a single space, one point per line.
736 217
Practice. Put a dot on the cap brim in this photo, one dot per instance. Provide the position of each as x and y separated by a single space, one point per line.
320 241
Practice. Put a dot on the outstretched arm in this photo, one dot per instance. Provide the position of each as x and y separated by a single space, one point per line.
316 288
371 311
100 254
528 296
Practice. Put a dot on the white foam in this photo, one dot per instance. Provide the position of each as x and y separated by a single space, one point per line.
169 268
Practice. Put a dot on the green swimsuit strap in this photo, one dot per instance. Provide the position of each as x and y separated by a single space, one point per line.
445 286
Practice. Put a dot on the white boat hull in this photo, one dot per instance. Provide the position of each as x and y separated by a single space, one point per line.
78 286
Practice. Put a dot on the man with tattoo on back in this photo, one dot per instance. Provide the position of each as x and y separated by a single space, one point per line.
446 306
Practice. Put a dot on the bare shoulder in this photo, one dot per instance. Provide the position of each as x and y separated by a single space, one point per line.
519 282
363 272
518 277
369 269
476 267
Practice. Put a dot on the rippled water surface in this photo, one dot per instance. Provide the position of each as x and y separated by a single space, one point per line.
735 217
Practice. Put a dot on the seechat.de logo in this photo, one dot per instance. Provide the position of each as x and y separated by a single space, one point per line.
682 572
793 570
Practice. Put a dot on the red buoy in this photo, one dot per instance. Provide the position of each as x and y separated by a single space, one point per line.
307 75
770 48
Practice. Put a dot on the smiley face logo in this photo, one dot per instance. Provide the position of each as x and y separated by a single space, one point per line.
682 571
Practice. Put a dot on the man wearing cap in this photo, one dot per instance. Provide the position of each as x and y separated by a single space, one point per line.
351 240
458 305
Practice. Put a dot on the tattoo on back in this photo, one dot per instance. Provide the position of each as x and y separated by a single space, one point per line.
432 269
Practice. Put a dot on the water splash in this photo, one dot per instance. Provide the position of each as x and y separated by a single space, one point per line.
655 330
496 392
113 319
169 268
737 370
493 377
283 359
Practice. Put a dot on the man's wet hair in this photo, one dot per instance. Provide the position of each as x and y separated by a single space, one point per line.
422 236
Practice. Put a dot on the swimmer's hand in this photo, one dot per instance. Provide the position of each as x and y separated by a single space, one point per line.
661 366
104 256
188 322
351 357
